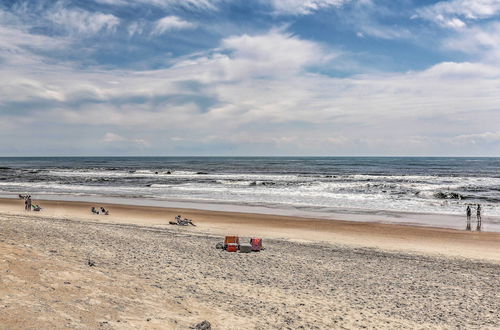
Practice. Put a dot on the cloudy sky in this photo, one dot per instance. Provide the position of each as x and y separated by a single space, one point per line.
241 77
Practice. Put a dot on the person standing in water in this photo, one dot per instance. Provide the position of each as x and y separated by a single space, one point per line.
478 215
468 212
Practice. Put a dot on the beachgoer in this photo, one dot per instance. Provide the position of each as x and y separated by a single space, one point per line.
468 212
478 215
26 204
29 203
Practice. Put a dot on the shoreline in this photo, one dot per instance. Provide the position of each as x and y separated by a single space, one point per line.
433 220
390 237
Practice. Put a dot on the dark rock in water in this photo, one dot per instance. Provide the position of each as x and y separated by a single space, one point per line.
449 195
132 171
201 173
205 325
440 195
156 172
168 172
253 183
268 183
4 168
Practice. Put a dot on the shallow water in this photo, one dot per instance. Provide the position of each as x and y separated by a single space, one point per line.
304 184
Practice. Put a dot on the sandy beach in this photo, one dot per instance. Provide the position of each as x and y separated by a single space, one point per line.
313 274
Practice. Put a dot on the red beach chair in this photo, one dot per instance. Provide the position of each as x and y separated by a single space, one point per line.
232 247
256 244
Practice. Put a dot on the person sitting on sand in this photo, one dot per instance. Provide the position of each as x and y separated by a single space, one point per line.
94 210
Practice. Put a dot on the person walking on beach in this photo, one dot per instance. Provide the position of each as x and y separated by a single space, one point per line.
478 215
29 203
26 203
468 212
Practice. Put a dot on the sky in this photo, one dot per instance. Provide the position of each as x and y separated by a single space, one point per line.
250 77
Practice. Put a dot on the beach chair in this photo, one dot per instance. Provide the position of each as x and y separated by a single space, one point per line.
231 240
245 248
256 244
232 247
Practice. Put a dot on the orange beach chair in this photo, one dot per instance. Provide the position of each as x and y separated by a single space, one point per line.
231 243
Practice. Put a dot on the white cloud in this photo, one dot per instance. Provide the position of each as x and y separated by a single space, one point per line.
454 23
468 9
110 137
272 54
475 33
483 41
456 13
135 28
261 95
488 137
302 7
83 21
170 23
113 2
187 4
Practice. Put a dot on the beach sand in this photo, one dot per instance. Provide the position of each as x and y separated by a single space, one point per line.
313 274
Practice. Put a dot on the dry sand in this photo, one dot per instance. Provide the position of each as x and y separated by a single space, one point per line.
149 274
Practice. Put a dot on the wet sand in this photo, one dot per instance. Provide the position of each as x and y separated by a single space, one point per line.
313 274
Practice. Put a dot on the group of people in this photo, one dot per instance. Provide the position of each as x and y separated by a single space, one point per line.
468 212
28 203
101 211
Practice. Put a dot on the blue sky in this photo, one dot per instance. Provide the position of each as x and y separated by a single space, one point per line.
262 77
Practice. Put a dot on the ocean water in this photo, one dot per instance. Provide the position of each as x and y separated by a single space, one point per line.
407 184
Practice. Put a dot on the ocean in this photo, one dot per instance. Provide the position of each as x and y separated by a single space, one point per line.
356 185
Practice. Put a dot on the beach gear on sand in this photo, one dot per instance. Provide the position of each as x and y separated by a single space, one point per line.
232 247
232 244
245 248
231 240
256 244
182 222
